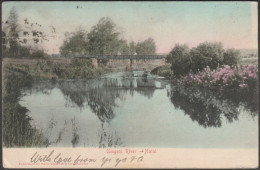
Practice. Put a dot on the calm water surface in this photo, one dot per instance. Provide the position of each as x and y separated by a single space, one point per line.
128 110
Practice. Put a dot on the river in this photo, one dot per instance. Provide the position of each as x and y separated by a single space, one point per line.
128 110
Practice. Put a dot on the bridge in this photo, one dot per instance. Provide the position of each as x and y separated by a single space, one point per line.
119 57
125 62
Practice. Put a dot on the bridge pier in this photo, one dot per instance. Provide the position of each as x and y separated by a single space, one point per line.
131 64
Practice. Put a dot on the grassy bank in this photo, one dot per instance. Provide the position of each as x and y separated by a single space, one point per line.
17 130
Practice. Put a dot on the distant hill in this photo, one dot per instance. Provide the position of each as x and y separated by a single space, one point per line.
248 53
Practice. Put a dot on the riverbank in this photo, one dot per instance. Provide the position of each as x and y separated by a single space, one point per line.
17 130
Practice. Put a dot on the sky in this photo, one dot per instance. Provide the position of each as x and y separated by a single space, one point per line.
235 24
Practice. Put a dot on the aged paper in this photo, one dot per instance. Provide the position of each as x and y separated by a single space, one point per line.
130 84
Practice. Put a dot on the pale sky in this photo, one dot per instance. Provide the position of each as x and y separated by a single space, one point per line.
235 24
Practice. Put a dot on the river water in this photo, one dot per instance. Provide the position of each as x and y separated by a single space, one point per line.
129 110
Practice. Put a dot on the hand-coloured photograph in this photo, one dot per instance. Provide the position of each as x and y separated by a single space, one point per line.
129 84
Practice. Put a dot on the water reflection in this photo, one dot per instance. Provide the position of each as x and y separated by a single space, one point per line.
101 95
209 108
108 138
131 110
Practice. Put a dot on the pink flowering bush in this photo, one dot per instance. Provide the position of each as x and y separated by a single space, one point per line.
237 77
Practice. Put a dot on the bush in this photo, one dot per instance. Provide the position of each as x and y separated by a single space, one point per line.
224 77
38 54
231 57
24 52
164 71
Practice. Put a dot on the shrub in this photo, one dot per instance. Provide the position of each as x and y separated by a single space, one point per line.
164 71
24 52
226 76
231 57
38 54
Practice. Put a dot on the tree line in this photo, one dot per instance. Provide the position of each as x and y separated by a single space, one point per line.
184 60
104 39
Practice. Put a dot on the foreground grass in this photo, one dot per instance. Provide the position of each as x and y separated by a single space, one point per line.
17 130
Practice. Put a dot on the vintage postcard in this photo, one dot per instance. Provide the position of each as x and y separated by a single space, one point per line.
129 84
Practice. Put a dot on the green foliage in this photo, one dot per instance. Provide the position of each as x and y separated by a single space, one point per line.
123 48
132 48
14 45
17 130
37 54
25 52
13 34
164 71
75 43
77 69
103 39
180 59
146 47
231 57
206 54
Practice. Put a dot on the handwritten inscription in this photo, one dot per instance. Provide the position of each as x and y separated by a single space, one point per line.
106 160
57 158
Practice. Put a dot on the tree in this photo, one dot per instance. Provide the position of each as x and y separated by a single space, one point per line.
13 34
207 54
231 57
15 37
180 59
146 47
103 39
132 47
4 44
75 43
123 48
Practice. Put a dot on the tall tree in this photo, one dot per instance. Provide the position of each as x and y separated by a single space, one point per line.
75 43
207 54
180 59
4 44
132 47
103 39
15 37
13 34
123 48
146 47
